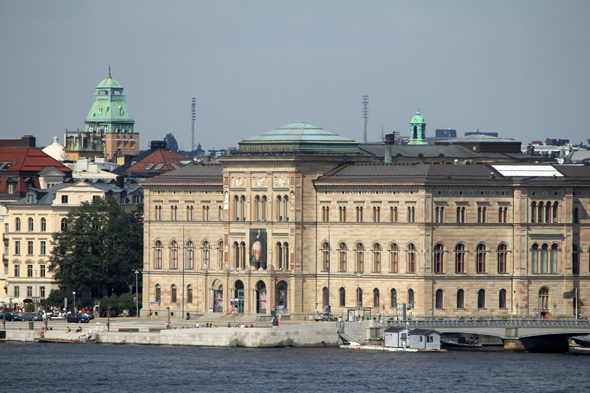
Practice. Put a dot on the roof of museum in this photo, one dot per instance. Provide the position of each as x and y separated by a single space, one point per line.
195 174
298 131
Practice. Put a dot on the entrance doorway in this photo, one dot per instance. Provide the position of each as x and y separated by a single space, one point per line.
239 294
260 297
218 299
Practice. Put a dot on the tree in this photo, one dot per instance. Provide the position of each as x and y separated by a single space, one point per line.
171 142
99 248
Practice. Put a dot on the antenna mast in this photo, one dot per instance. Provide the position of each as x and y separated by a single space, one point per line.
194 117
365 115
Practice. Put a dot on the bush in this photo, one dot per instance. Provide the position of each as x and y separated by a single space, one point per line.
118 304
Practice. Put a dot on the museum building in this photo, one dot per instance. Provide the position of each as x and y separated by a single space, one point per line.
301 218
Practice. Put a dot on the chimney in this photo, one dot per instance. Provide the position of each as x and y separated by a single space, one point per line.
389 140
530 150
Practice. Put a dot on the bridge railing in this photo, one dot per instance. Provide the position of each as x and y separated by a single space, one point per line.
496 323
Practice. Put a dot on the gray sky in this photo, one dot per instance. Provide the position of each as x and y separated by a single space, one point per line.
520 68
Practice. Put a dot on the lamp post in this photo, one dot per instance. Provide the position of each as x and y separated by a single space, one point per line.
358 293
36 299
74 293
329 268
136 296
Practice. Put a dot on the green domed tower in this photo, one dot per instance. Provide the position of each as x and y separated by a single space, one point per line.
109 120
418 130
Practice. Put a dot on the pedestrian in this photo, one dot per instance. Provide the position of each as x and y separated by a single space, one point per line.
228 324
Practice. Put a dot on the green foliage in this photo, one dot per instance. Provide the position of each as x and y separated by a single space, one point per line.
171 142
100 248
56 298
118 304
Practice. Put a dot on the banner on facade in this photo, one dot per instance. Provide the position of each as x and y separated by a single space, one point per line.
569 295
258 248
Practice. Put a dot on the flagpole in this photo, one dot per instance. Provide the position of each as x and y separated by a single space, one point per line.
182 313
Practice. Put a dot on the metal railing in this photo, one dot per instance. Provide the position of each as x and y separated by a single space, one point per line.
498 323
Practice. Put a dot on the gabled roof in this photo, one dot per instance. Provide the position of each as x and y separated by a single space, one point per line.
395 329
423 332
159 161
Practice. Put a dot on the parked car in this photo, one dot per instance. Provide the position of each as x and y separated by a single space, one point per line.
77 318
13 316
325 317
32 316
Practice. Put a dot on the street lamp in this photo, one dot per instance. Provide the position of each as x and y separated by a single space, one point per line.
74 293
136 297
358 293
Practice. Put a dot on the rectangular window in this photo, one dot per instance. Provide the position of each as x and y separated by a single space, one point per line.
30 248
29 270
376 214
17 291
42 271
64 199
16 270
29 291
393 213
43 247
17 247
42 292
460 215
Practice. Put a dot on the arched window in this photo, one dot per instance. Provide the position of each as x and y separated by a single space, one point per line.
410 298
257 211
173 293
17 224
359 296
541 212
263 208
43 224
220 254
548 212
481 299
360 257
158 293
190 255
439 299
242 258
342 297
439 258
411 253
575 259
243 207
555 210
535 258
64 224
544 301
173 255
543 259
502 299
460 299
189 293
553 259
376 214
342 252
236 250
285 256
533 211
31 224
480 258
325 256
281 294
393 213
206 253
393 258
376 297
286 207
325 298
237 207
393 297
502 259
376 258
279 208
158 254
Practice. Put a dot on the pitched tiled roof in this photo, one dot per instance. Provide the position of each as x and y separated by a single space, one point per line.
161 160
29 159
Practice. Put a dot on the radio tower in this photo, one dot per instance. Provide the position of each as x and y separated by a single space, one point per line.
194 117
365 115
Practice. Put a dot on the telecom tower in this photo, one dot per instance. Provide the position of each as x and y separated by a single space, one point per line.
194 117
365 115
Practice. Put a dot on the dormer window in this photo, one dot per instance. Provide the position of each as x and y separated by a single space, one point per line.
159 166
121 111
175 166
99 111
64 199
150 166
10 188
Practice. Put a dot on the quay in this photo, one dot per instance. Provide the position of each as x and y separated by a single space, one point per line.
517 335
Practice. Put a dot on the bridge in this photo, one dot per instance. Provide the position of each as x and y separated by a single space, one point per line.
535 335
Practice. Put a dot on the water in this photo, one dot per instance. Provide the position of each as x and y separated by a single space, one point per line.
35 367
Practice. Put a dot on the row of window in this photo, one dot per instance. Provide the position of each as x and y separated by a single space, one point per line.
31 224
439 298
30 247
16 292
30 270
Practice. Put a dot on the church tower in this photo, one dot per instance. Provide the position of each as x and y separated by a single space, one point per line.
418 130
109 120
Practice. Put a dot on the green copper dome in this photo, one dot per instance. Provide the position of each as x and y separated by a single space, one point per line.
417 118
109 83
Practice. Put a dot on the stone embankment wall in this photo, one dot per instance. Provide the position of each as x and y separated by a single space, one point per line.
313 335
